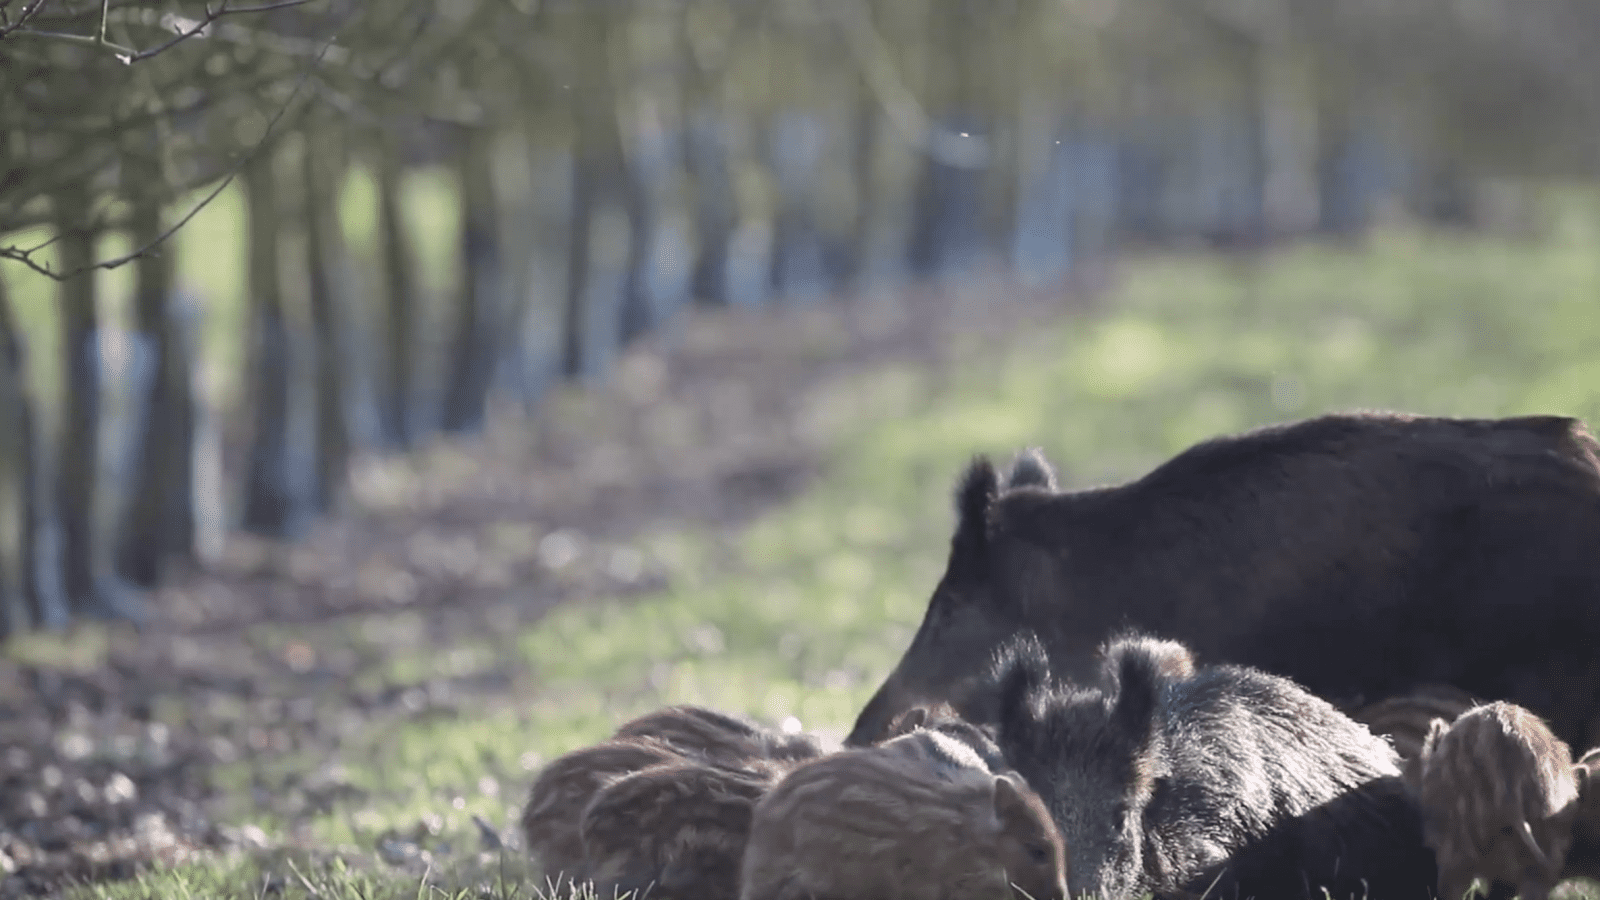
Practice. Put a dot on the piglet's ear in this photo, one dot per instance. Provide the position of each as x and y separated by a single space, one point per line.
1008 802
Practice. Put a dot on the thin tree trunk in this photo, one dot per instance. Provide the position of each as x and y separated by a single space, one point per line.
39 538
271 505
87 565
321 162
596 158
159 522
16 613
402 304
863 150
481 303
635 318
582 214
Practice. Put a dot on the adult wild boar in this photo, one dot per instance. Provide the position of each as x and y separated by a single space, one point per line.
1221 780
1359 554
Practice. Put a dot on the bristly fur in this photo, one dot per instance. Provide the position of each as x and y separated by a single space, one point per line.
565 787
914 818
717 735
1031 470
677 831
1163 771
1498 792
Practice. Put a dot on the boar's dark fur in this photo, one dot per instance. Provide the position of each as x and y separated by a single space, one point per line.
1165 772
1359 554
1031 469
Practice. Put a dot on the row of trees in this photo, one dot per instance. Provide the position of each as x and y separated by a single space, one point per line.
616 160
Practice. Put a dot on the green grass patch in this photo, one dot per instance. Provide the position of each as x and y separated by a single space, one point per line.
828 589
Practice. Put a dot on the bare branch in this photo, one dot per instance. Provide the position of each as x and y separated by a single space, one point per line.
188 28
185 27
25 256
29 10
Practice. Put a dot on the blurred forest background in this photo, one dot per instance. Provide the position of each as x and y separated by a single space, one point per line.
415 206
245 244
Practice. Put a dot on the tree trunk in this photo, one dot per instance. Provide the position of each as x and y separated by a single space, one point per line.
635 317
863 149
481 305
90 587
714 214
596 167
273 506
401 301
16 613
159 521
583 201
39 530
326 259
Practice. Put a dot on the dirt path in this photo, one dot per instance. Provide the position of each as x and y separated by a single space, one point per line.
107 761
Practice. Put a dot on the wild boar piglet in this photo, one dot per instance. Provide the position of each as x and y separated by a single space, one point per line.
675 832
1498 793
565 787
1406 719
919 817
719 735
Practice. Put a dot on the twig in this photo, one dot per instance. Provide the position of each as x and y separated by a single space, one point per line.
127 55
25 256
198 27
29 10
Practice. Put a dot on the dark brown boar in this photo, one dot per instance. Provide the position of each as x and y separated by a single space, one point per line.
1498 793
675 832
1164 772
917 817
1327 550
565 788
719 735
1406 720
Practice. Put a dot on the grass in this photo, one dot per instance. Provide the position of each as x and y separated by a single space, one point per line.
829 588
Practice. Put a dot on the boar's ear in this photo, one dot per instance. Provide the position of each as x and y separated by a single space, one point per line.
969 547
1168 659
1141 669
1022 673
1030 469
